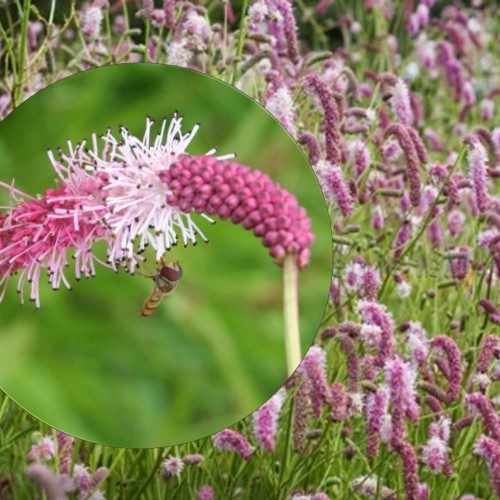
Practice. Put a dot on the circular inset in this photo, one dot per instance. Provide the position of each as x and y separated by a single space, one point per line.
194 340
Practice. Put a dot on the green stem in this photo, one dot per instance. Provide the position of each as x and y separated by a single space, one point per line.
241 42
291 313
18 90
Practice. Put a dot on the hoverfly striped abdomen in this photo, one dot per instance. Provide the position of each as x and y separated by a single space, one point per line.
166 281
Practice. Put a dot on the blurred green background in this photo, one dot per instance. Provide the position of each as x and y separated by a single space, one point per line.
86 362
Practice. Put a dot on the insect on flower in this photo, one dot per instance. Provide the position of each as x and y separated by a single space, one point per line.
166 280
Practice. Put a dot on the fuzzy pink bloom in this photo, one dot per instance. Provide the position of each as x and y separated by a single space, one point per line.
82 478
206 492
138 192
435 234
452 371
490 349
37 233
435 453
489 449
459 264
98 477
308 139
280 104
423 492
339 402
147 9
399 98
265 421
456 219
169 10
410 468
413 25
331 116
334 186
353 273
289 27
480 404
401 377
361 157
487 109
171 467
377 218
407 143
65 452
158 19
478 166
92 20
376 314
313 366
193 459
231 440
55 487
468 94
44 450
417 342
376 408
370 283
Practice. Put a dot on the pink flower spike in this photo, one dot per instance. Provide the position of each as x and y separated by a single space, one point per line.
490 349
401 380
376 314
193 459
230 190
410 468
435 453
65 452
313 366
400 102
300 411
452 352
407 143
92 19
331 120
489 450
376 409
480 404
265 421
44 450
82 478
478 166
280 104
55 487
334 185
231 440
340 402
138 192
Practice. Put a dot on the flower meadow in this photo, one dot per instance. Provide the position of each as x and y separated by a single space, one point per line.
396 106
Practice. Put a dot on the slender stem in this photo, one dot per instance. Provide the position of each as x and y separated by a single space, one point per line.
291 313
241 41
18 89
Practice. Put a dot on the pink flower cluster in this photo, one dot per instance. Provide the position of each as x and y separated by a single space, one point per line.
138 192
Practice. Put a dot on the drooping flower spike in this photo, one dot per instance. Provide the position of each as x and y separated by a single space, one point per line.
136 192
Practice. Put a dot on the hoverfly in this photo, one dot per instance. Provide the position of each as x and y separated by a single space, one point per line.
166 279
